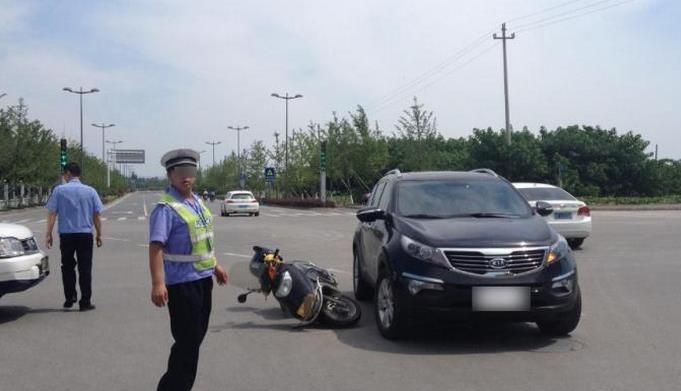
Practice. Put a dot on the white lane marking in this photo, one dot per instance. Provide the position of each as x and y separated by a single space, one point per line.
123 212
104 219
143 245
41 221
237 255
144 198
338 271
269 215
22 221
141 217
122 218
116 239
118 201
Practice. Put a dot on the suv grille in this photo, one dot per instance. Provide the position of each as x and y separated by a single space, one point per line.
479 261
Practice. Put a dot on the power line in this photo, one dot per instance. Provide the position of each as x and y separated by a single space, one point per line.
545 10
438 68
444 75
439 71
562 14
573 16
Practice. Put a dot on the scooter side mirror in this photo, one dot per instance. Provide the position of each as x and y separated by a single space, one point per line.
242 297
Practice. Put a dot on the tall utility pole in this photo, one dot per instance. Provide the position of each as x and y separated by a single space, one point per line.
238 147
286 98
503 38
80 93
103 127
213 144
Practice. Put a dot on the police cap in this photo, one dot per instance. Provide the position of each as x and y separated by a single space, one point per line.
180 157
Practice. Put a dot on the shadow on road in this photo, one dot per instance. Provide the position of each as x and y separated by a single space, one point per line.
12 313
475 337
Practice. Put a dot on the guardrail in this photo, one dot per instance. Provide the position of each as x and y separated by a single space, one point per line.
16 196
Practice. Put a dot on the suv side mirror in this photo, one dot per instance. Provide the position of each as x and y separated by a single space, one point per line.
543 208
370 214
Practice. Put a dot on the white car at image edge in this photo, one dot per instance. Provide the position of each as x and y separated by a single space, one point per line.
570 218
22 263
240 201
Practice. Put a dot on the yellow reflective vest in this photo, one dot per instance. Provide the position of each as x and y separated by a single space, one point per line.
200 234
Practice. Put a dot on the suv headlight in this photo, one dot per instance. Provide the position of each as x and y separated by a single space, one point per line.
10 247
558 251
423 252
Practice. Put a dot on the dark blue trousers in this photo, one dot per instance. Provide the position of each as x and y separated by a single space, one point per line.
189 306
76 250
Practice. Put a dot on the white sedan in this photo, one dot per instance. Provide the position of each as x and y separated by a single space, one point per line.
570 218
22 264
240 201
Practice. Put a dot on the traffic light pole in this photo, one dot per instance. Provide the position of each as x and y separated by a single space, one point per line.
322 172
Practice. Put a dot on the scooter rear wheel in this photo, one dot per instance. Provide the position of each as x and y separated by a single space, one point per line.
340 311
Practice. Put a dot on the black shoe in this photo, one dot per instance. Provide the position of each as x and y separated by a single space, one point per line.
69 303
87 307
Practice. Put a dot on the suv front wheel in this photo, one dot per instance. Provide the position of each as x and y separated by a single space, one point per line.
391 317
361 288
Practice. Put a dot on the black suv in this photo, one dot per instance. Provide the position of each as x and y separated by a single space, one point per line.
465 244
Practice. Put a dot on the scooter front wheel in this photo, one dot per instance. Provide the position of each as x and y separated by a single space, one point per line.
340 311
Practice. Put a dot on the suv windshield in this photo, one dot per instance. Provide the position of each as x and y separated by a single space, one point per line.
546 193
459 198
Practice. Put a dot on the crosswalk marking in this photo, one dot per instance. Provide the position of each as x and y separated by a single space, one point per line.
122 218
141 218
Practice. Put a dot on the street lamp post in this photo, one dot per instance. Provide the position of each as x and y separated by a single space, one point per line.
238 146
80 93
286 98
103 127
108 170
201 152
213 143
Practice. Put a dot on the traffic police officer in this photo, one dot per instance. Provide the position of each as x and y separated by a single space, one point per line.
181 250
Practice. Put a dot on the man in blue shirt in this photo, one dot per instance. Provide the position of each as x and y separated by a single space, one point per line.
78 206
181 249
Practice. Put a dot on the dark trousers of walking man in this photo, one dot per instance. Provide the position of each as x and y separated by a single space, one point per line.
76 250
189 305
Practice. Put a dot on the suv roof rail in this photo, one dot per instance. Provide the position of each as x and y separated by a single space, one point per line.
485 171
395 171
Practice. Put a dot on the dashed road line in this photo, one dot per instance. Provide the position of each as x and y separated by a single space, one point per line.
122 218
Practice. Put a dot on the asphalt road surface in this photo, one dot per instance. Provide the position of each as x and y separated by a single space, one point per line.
628 339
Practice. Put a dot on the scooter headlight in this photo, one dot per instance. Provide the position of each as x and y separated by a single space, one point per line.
284 286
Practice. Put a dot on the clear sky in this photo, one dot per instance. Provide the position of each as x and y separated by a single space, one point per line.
177 73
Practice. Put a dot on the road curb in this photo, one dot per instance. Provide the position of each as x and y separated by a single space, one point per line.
644 207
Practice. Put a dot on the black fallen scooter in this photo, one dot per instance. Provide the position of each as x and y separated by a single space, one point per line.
304 290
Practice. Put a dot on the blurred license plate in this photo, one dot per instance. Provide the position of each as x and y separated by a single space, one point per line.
562 215
501 298
243 206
